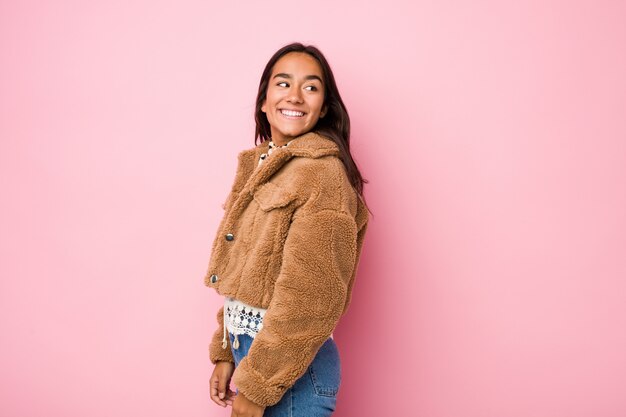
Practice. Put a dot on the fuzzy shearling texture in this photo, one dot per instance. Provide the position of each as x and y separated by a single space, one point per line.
298 228
216 352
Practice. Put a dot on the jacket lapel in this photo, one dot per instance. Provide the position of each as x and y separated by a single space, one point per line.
250 175
253 175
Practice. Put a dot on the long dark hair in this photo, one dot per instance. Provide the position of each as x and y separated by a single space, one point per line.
335 124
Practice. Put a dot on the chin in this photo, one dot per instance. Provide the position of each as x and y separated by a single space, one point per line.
292 133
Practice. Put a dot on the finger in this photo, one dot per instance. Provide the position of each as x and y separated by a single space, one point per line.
214 393
217 401
221 387
230 396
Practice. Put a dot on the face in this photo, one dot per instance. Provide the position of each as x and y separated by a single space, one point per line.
295 96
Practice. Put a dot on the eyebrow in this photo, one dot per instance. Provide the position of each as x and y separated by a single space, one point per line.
308 77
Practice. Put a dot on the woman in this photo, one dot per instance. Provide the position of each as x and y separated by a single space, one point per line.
288 246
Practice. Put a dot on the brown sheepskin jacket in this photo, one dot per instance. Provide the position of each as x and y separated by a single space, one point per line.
289 241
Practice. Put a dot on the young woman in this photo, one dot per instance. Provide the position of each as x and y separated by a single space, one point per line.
288 246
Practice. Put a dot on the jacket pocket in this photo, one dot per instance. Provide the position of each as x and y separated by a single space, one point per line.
270 196
325 370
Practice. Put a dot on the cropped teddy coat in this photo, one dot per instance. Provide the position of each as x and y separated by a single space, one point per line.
289 241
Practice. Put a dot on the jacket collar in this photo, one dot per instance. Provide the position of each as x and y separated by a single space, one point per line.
308 145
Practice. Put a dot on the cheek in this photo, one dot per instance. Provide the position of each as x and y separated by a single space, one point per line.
318 107
275 94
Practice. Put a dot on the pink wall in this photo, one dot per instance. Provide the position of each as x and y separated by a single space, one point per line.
493 135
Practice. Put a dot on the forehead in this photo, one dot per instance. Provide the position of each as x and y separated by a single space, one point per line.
298 64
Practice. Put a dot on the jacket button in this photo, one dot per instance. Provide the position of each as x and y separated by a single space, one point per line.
229 236
213 279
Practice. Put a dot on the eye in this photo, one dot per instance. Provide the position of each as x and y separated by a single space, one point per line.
314 88
283 82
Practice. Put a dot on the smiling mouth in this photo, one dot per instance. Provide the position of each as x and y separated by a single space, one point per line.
292 114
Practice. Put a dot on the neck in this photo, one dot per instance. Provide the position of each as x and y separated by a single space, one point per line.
280 142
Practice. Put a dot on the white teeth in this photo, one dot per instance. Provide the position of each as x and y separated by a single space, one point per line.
292 113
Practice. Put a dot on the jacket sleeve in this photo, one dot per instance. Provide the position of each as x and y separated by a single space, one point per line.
216 352
310 292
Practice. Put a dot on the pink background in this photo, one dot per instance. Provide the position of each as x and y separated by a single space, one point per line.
492 133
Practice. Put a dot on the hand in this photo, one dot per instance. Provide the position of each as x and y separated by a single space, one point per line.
221 393
243 407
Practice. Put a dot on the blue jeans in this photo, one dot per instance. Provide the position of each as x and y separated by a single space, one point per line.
315 393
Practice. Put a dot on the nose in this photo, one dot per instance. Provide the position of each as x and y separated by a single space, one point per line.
295 96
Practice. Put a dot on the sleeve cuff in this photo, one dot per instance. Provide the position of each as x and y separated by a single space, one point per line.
254 387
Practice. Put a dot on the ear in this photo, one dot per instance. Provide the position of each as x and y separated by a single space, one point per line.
324 110
263 107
